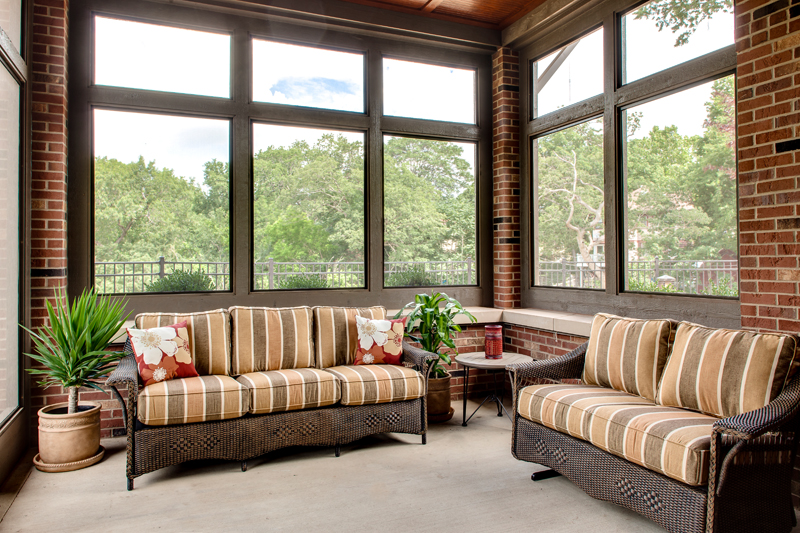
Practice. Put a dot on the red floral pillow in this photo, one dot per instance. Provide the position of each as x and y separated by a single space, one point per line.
162 353
379 341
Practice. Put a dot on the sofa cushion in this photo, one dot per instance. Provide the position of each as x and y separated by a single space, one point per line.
379 341
267 338
335 333
673 442
289 390
209 336
162 353
187 400
723 372
627 354
367 384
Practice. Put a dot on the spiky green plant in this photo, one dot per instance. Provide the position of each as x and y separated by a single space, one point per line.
436 325
72 346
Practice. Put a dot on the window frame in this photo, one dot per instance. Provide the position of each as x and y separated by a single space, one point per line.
722 312
244 112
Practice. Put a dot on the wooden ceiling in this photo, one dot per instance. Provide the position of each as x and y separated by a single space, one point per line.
492 14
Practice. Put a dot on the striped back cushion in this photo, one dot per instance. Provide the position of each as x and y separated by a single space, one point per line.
627 354
724 372
335 333
209 337
267 338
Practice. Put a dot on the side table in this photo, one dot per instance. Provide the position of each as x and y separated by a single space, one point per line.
495 366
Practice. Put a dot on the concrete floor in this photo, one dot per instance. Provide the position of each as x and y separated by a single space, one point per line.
464 479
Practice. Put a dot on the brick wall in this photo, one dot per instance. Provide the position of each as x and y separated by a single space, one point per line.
505 171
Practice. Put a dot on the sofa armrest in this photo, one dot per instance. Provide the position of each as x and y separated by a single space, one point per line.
418 356
774 415
125 373
568 366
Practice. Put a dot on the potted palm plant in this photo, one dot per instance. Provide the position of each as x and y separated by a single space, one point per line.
432 318
71 350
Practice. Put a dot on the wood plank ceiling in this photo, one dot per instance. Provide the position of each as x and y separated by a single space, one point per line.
492 14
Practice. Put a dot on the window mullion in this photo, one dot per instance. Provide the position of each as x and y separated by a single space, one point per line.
611 192
373 210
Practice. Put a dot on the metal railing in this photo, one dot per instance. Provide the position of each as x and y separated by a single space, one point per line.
134 276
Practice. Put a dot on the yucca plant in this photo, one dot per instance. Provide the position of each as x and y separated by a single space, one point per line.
72 346
436 325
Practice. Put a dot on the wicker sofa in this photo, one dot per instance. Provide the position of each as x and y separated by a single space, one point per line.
269 378
693 427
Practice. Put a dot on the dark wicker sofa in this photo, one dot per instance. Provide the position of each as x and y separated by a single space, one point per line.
151 447
749 471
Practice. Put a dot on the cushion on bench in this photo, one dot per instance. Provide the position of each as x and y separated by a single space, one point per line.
289 390
335 333
627 354
271 338
368 384
209 337
187 400
723 372
674 442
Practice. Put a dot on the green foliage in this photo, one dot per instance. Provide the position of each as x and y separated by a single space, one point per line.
435 325
682 15
303 281
71 348
414 276
647 285
182 281
723 286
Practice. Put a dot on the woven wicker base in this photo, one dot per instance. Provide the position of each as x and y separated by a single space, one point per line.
436 419
68 467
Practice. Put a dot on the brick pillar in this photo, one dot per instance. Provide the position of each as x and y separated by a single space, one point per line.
768 137
505 174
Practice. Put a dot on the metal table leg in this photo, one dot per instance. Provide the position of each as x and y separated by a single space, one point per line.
466 381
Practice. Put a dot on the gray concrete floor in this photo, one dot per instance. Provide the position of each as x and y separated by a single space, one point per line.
464 479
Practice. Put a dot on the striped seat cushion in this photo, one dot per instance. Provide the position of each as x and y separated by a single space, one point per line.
288 390
367 384
335 333
187 400
723 372
271 338
627 354
209 337
673 442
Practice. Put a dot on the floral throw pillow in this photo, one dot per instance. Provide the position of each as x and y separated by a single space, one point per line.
162 353
379 341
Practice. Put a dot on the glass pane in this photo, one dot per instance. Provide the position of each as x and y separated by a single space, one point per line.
663 34
680 185
9 243
569 75
11 21
161 203
418 90
161 58
308 212
306 76
429 213
569 212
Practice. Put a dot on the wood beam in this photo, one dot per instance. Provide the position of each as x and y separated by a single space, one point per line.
431 5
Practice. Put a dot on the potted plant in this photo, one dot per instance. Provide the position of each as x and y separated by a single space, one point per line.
433 318
72 350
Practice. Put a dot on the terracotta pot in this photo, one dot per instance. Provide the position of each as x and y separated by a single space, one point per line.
65 438
439 409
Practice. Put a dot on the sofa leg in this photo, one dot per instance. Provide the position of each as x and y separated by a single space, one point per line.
130 484
244 466
424 438
544 474
337 450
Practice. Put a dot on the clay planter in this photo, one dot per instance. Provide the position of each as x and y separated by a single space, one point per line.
439 408
65 439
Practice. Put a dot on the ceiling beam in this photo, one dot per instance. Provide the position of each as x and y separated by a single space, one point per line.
431 5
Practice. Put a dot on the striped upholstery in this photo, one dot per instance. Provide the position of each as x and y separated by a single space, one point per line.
187 400
335 333
674 442
209 337
367 384
271 338
627 354
723 372
289 390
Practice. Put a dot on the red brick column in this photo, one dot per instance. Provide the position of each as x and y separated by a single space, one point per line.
505 171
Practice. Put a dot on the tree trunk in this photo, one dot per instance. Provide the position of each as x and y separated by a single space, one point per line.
73 400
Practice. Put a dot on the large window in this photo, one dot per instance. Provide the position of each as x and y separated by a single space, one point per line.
633 183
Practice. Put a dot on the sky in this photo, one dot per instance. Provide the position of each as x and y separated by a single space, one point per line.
147 56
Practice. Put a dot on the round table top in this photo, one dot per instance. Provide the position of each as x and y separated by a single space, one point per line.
478 360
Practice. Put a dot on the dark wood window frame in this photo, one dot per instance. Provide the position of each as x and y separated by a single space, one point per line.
723 312
243 113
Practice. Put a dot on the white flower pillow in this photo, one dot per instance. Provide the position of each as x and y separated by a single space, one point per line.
162 353
379 341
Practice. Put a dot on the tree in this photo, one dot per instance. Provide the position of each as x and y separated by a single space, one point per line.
682 15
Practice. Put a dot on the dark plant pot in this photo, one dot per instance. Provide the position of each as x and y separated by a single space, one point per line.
439 408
